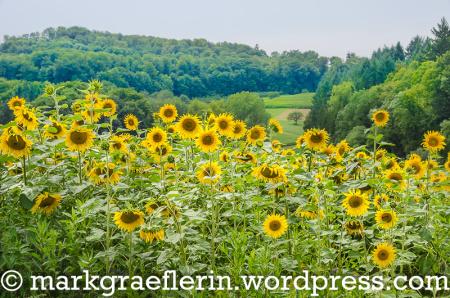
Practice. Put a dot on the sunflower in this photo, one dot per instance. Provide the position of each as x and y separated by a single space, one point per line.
188 127
209 173
168 113
91 113
416 166
354 227
390 163
131 122
380 154
155 137
275 125
342 147
379 200
384 254
356 203
397 176
227 188
273 173
300 141
362 155
431 164
224 156
433 141
102 173
55 130
447 165
162 150
208 141
224 124
316 139
386 219
148 236
117 143
110 105
245 157
151 206
288 152
26 118
256 134
16 103
276 145
129 220
380 118
14 143
239 129
46 203
211 120
309 214
79 139
328 150
275 225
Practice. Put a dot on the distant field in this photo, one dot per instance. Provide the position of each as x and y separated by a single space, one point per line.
280 107
295 101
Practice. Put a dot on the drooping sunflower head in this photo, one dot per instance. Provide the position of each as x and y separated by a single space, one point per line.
162 150
316 139
275 125
224 124
26 118
46 203
151 206
380 118
111 107
380 154
256 134
92 112
79 139
118 143
208 141
156 136
168 113
16 103
397 177
129 220
328 150
239 129
356 203
342 147
416 167
14 143
309 214
354 227
270 173
386 219
55 130
275 225
276 145
362 155
379 200
384 255
300 141
433 141
288 152
188 126
102 173
245 157
131 122
209 173
150 235
447 165
224 156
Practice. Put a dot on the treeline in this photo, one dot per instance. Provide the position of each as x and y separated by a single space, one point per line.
195 68
413 84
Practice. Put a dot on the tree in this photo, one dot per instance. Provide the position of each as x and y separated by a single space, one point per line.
295 116
441 41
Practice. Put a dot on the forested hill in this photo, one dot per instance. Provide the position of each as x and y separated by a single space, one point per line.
195 68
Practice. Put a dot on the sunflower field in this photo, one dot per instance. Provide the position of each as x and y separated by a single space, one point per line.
84 190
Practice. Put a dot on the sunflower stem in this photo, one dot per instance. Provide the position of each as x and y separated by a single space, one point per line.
24 170
79 167
130 258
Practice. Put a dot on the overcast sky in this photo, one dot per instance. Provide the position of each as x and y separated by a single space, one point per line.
330 27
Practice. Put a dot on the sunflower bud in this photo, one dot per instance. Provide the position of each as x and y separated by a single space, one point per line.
95 85
76 107
49 90
171 159
104 146
132 147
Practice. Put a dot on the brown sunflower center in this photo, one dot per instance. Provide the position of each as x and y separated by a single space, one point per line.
207 140
386 217
416 168
168 113
47 201
157 137
117 145
316 138
57 127
223 124
433 142
107 105
189 124
355 201
27 116
269 173
380 117
395 176
383 255
78 137
275 225
255 134
16 142
17 104
129 217
209 172
162 150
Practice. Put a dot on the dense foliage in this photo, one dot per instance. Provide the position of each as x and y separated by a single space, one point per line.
195 68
